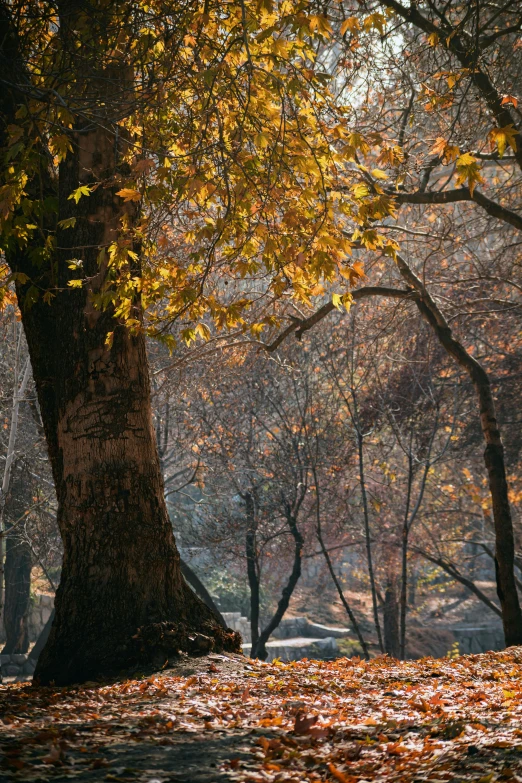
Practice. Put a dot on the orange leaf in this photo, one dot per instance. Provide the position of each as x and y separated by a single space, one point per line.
338 775
128 194
510 99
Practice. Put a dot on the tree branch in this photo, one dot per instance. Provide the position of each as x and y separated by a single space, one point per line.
300 326
452 571
468 56
461 194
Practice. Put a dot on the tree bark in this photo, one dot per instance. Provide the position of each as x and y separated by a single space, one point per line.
121 570
121 575
122 599
392 638
17 595
252 569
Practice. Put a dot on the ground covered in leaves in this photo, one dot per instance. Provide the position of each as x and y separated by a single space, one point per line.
226 718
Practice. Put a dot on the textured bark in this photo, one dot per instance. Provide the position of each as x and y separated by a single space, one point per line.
121 569
122 600
17 595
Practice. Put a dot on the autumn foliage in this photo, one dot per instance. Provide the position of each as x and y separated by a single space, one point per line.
232 719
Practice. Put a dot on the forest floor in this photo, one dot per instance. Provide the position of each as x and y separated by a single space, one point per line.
227 718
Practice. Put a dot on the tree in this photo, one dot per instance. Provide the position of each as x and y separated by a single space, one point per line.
257 475
149 150
458 67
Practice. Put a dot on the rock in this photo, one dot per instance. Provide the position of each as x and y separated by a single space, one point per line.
29 666
299 647
18 658
291 627
10 670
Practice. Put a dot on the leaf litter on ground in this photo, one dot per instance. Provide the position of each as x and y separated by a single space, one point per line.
227 718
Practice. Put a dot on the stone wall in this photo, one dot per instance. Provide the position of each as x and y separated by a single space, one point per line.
288 628
17 665
41 607
40 610
293 639
299 648
479 639
237 622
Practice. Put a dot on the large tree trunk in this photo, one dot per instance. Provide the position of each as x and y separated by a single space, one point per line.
121 569
122 599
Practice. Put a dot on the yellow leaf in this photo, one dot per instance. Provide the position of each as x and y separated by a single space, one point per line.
375 20
352 24
262 140
379 174
128 194
67 222
466 159
502 137
203 331
83 190
337 300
